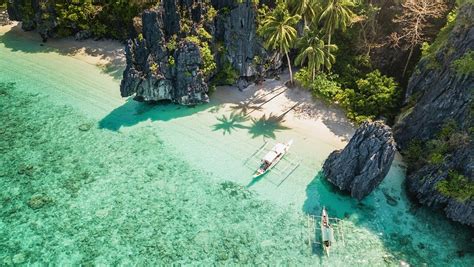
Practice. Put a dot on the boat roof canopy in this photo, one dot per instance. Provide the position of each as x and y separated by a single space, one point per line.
270 156
279 148
327 234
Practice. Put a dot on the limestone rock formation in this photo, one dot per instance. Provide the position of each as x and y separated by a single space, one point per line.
362 165
154 72
32 16
423 185
442 94
158 69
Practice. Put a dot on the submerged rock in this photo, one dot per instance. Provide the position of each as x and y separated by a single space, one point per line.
362 165
84 127
39 201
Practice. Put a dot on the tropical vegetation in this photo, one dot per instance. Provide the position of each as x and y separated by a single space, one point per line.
278 29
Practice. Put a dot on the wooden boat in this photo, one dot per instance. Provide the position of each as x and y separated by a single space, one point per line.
327 232
272 158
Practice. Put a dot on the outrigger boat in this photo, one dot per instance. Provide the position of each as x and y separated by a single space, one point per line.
327 232
272 158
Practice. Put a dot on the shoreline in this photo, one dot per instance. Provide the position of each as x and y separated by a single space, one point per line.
312 117
101 53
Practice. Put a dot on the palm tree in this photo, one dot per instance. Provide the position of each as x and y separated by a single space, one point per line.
337 14
278 30
316 53
308 9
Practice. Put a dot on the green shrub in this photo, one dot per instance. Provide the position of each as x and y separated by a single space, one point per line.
377 95
227 75
414 155
204 35
324 85
456 186
436 158
172 44
209 64
465 64
171 61
210 14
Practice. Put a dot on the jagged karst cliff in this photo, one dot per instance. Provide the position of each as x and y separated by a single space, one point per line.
362 165
435 131
185 44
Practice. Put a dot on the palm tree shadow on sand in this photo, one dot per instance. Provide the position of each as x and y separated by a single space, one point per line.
246 107
231 123
267 126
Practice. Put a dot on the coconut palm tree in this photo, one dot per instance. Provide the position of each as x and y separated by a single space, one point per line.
316 53
308 9
278 30
337 14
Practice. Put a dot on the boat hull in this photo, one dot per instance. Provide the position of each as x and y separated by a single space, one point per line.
261 172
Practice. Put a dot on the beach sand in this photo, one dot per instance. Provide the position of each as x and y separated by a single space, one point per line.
315 117
106 54
273 113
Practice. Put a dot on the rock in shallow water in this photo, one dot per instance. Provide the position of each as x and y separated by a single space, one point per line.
39 201
364 162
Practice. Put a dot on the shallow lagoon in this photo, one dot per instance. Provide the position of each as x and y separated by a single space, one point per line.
88 177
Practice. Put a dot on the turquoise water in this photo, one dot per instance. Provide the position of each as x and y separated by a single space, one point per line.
90 178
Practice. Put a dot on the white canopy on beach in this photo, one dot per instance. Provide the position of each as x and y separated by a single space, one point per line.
272 155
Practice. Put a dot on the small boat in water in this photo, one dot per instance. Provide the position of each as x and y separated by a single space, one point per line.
272 158
327 232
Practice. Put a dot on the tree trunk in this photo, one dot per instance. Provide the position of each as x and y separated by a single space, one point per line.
329 43
289 67
408 62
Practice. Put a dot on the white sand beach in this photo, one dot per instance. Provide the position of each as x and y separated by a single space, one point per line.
274 112
312 116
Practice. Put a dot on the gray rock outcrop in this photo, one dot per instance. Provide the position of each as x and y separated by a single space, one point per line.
157 70
154 72
362 165
442 94
423 185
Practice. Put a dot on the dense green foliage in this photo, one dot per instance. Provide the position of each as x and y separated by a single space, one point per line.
316 53
209 64
457 186
278 29
448 140
364 92
435 152
103 19
465 64
375 96
227 75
